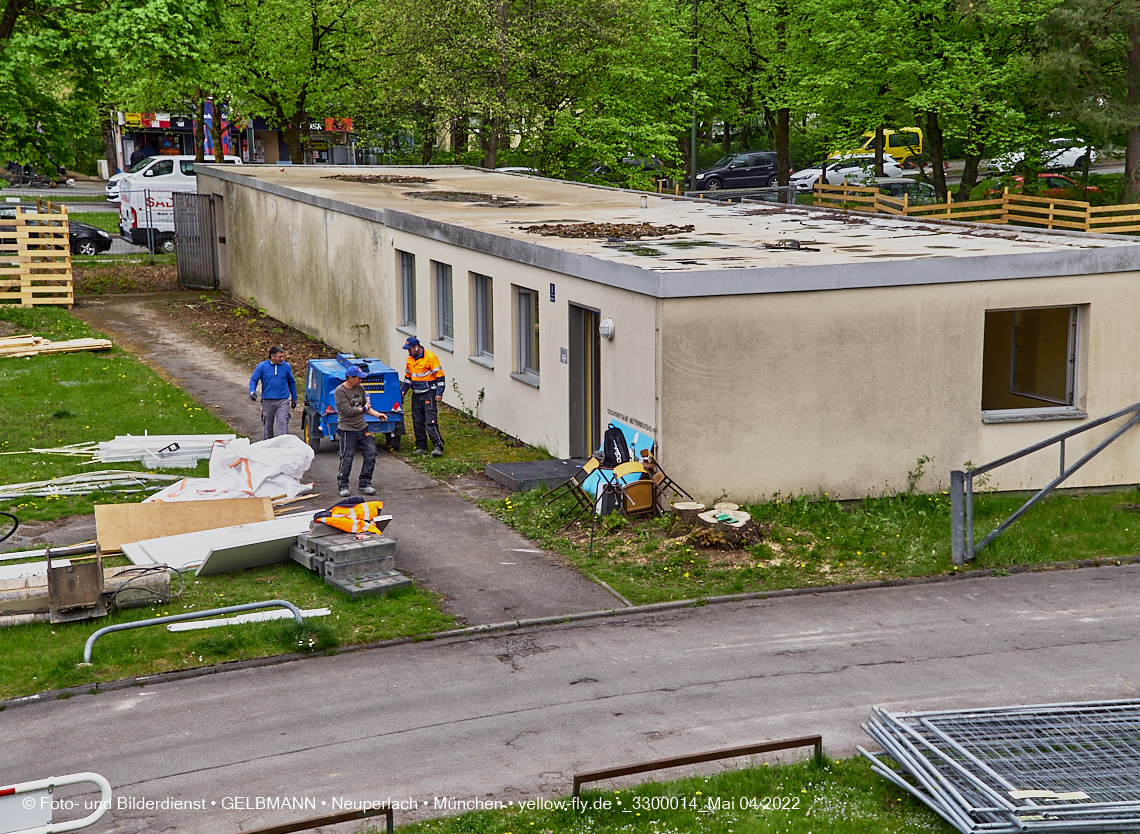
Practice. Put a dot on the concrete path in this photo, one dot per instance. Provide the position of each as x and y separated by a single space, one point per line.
486 572
514 716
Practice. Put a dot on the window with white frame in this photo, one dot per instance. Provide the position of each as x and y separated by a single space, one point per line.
444 304
526 317
407 290
484 316
1030 363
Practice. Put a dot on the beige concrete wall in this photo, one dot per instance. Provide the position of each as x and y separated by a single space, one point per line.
842 391
321 272
337 278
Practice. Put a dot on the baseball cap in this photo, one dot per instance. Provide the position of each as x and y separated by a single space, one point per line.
354 371
411 343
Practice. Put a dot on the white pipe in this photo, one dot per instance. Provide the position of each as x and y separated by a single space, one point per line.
74 779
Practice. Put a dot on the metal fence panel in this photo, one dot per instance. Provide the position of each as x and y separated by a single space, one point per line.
197 250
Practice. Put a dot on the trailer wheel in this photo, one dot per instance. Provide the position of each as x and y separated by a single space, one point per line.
165 245
313 432
394 441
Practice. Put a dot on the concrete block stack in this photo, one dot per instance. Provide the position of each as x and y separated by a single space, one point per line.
357 567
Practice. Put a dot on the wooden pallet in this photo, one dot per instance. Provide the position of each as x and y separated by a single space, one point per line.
35 258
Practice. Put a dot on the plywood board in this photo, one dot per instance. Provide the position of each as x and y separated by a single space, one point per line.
119 524
190 549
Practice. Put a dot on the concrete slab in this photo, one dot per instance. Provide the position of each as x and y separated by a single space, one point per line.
521 476
380 583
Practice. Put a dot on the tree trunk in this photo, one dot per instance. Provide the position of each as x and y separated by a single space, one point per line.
726 138
292 134
969 178
879 151
459 135
934 141
200 128
1132 149
306 139
783 152
217 131
108 131
491 148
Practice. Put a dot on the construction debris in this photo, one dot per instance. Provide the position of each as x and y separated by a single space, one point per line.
107 480
15 346
226 548
158 451
240 469
1068 767
119 524
123 587
251 617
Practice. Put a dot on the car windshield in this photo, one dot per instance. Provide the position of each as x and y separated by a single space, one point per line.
138 166
724 160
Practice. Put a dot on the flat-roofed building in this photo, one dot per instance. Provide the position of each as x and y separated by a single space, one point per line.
765 349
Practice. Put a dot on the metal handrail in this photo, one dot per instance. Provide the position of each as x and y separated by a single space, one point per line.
699 758
962 547
50 785
193 615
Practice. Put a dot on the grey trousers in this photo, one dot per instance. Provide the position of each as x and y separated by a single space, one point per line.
274 418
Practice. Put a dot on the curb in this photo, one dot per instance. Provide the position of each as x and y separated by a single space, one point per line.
491 629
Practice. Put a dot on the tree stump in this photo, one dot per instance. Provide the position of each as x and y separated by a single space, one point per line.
686 512
711 530
725 506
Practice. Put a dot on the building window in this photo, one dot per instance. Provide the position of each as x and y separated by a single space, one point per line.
484 315
407 290
1029 364
527 323
444 304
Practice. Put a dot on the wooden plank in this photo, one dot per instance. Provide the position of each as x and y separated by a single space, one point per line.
1046 211
1122 207
1029 198
119 524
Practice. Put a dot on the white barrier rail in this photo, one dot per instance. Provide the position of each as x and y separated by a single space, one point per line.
31 803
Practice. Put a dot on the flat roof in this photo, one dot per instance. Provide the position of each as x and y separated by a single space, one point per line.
732 248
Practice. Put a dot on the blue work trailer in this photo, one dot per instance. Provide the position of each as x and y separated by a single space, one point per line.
381 383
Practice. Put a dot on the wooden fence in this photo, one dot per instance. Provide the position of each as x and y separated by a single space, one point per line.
1008 209
35 256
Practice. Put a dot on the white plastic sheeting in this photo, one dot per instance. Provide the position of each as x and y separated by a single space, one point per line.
242 546
161 451
240 469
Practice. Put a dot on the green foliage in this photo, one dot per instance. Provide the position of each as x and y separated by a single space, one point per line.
838 797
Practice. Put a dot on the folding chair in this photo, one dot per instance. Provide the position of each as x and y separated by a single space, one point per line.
620 477
667 483
576 479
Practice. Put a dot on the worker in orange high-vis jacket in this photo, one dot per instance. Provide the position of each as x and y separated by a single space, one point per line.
424 378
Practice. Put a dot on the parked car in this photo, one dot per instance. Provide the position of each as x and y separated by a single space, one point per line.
1052 185
756 169
86 239
1059 154
917 193
903 144
146 199
856 168
607 174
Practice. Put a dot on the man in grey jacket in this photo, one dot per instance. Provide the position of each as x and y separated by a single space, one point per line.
352 404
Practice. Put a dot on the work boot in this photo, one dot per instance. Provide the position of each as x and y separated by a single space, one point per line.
420 452
437 452
368 490
344 493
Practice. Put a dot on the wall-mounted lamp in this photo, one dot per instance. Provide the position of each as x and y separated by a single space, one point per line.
606 328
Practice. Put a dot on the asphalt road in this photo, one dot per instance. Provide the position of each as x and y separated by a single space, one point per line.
512 717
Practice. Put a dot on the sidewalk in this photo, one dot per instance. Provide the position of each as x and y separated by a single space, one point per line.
485 572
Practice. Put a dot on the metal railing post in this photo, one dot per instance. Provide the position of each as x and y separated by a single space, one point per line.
193 615
970 517
958 517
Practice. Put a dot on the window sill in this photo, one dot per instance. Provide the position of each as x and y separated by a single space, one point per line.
487 360
527 378
1030 415
444 344
407 329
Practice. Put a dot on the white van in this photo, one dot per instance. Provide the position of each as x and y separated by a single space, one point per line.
146 201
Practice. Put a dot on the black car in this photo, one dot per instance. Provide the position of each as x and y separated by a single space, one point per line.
756 169
86 239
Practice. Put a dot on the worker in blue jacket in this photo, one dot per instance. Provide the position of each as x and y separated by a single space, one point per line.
278 387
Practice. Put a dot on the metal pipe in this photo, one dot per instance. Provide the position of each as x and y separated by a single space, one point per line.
193 615
957 517
970 553
54 782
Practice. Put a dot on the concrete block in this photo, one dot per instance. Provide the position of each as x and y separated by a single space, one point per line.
359 567
373 584
345 547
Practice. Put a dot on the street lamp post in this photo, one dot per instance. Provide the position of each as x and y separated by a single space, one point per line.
693 127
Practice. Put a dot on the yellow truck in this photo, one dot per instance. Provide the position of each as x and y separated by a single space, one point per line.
903 144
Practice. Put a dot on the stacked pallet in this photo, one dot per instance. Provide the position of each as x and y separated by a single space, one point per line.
15 346
35 257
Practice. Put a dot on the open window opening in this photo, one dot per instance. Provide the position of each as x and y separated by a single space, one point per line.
1030 362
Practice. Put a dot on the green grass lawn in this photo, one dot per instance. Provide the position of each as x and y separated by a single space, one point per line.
49 401
841 797
813 541
56 400
108 221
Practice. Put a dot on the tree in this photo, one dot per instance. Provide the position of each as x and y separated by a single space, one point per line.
1090 73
